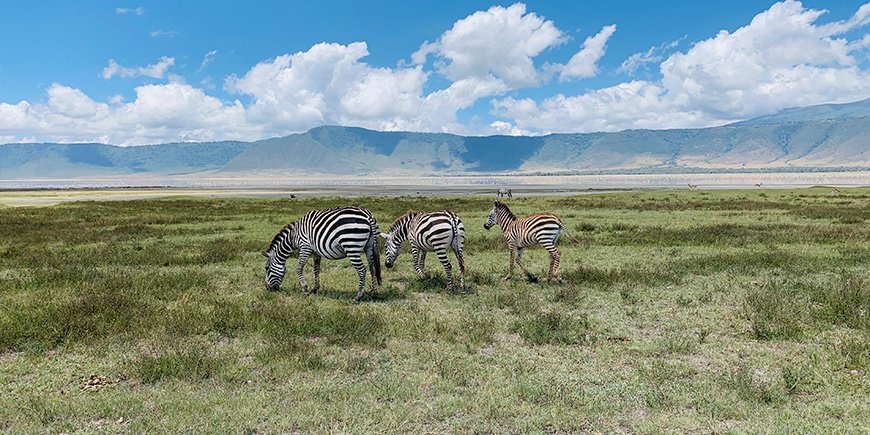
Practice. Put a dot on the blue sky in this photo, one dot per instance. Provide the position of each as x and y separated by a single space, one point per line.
145 72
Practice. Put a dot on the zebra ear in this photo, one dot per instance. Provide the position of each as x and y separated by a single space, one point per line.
385 236
265 254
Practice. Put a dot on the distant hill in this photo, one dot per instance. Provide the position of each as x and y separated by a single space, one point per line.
827 136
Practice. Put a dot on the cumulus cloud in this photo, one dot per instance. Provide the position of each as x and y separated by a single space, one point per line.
331 84
780 59
155 70
136 11
584 63
159 113
500 41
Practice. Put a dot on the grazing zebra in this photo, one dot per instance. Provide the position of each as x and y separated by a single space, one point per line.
538 229
505 192
693 186
333 234
758 185
436 232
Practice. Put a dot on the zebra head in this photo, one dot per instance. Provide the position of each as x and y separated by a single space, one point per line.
392 245
276 257
493 217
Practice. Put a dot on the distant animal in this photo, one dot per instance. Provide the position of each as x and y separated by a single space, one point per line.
758 184
520 233
437 232
333 233
505 192
292 196
835 191
693 186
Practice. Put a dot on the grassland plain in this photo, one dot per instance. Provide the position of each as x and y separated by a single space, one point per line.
686 311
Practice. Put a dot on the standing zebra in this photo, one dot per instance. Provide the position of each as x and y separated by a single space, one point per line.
538 229
436 232
333 233
505 192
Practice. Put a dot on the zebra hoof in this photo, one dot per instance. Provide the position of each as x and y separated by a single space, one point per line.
314 290
532 277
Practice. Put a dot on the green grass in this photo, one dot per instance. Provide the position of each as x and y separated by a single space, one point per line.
713 311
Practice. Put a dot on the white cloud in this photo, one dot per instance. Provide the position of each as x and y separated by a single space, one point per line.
501 42
207 60
781 59
330 84
160 113
155 70
642 59
137 11
584 63
163 33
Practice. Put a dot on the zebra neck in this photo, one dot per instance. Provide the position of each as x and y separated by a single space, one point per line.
283 249
505 219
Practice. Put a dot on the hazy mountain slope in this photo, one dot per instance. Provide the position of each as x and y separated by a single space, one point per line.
76 160
840 137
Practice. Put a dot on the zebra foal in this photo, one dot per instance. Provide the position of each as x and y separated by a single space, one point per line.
334 233
437 232
520 233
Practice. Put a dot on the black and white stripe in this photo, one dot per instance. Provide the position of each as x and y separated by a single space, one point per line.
437 232
520 233
333 234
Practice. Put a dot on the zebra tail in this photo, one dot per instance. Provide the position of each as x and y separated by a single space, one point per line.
375 256
572 238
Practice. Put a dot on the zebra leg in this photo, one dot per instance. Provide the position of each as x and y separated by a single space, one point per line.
448 268
422 267
317 259
418 267
529 275
357 263
303 258
511 264
553 274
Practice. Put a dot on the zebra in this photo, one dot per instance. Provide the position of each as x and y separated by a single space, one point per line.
520 233
437 232
332 233
504 191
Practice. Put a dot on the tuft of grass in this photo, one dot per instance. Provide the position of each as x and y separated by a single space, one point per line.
854 352
193 363
554 327
754 385
775 310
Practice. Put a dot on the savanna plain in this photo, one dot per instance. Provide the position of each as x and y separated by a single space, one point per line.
737 311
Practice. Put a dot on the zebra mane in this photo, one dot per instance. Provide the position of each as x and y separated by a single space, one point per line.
504 208
280 236
403 218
